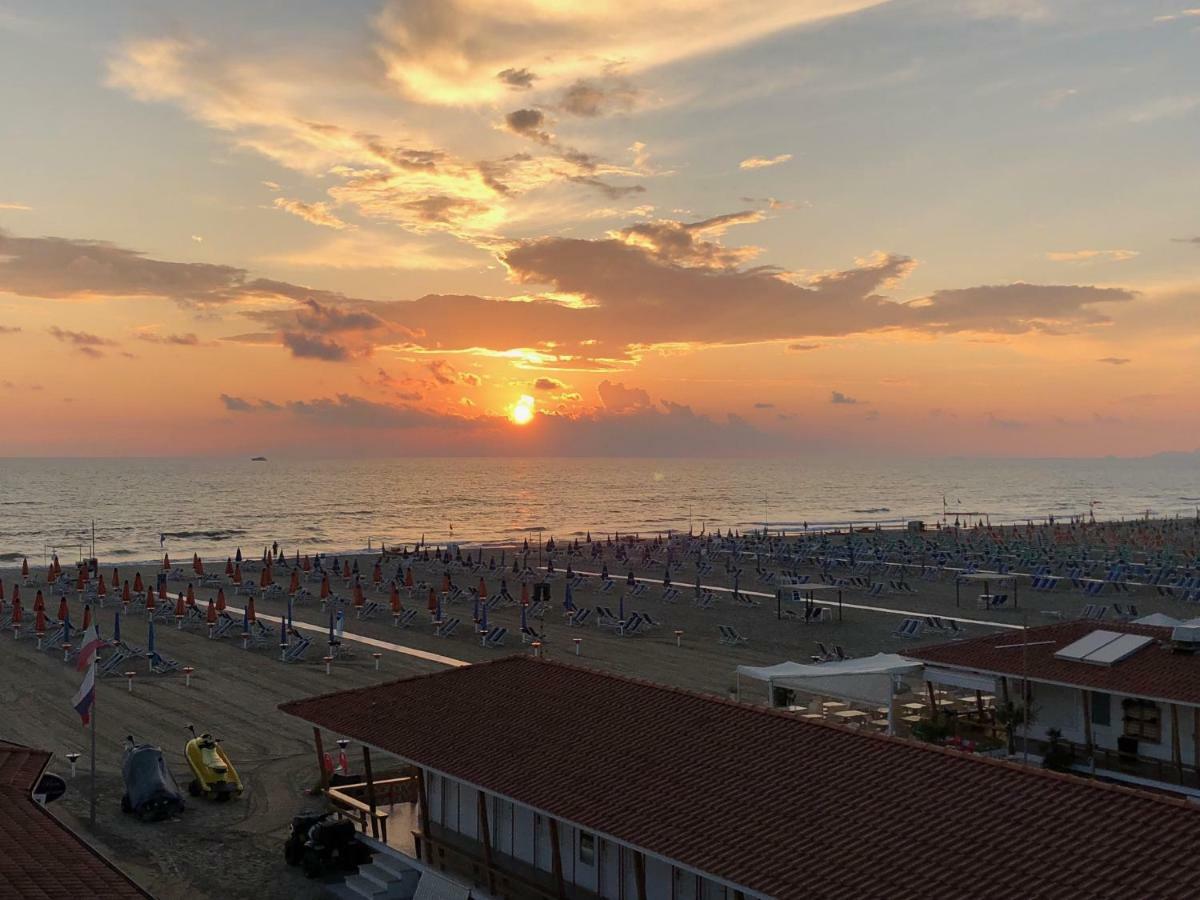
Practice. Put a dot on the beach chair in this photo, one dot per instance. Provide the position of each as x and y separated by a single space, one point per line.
648 621
528 636
935 622
632 625
580 617
114 661
162 665
606 586
909 628
224 622
706 600
638 589
730 636
822 654
295 652
495 637
1125 613
606 618
839 654
447 628
953 627
1094 612
670 595
369 610
406 618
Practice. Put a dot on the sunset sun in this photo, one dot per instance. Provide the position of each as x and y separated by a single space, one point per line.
522 411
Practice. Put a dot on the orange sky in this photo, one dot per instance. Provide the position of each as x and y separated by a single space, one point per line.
676 229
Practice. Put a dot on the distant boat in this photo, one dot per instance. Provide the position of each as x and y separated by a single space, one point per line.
258 459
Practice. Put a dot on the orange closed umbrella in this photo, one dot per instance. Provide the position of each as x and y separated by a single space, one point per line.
445 582
294 585
63 612
229 566
166 562
211 615
57 566
125 597
199 566
116 579
359 600
307 565
220 599
102 588
432 600
38 603
138 587
25 567
51 575
345 569
79 582
87 617
39 623
265 578
16 616
191 595
250 610
395 598
179 613
237 573
524 594
482 588
408 577
377 574
325 587
150 600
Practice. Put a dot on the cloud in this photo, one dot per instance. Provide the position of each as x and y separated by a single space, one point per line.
450 51
763 162
18 207
236 404
310 346
271 185
80 338
1091 255
314 213
1006 424
10 329
839 399
592 98
177 340
618 398
684 243
548 384
764 405
315 316
803 348
442 371
1115 360
1173 107
1187 240
1182 14
1057 97
528 123
517 79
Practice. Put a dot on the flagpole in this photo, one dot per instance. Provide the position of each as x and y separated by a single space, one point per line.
92 806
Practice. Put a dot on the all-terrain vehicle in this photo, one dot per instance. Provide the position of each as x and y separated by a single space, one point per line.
318 841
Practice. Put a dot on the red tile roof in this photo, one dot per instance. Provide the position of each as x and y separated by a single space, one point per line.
40 858
1154 672
782 806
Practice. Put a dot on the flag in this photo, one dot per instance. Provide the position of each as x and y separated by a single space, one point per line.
85 697
87 649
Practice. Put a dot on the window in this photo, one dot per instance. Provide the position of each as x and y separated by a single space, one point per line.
587 848
1142 720
1101 708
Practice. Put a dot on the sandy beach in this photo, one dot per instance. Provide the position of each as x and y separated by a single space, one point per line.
234 850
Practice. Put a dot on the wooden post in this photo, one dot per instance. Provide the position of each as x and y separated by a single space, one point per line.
320 745
932 702
1087 719
1176 752
370 792
486 833
1004 689
979 705
556 859
423 799
639 874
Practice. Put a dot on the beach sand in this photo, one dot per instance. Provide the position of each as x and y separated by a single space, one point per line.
235 850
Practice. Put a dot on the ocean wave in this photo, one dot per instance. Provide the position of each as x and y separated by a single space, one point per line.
215 535
11 557
873 509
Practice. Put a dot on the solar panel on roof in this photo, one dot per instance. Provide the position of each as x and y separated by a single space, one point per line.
1089 643
1124 646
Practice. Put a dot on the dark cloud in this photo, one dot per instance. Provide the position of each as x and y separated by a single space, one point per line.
311 346
611 191
548 384
590 98
839 399
86 342
442 371
236 404
320 317
518 79
1115 360
178 340
1187 240
528 123
10 329
618 398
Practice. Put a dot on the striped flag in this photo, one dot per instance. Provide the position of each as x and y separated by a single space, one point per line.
85 697
87 650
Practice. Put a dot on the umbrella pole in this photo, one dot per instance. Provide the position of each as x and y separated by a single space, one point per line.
92 801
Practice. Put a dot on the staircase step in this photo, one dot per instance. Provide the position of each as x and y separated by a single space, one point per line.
365 887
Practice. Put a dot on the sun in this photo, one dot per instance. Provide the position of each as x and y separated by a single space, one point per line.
522 411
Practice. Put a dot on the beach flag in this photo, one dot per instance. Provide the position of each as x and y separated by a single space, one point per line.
85 697
87 649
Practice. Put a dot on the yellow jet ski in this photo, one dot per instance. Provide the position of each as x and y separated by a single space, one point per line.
213 774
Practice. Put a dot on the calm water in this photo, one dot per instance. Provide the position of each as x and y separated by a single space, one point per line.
214 506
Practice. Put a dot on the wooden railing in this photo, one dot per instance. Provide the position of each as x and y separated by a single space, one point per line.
368 815
446 856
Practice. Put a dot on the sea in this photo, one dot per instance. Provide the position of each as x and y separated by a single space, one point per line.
134 509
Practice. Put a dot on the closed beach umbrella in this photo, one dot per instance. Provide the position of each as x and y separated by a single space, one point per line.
39 622
191 595
220 600
229 566
79 580
238 557
211 615
137 583
408 577
294 584
150 599
125 595
150 651
483 594
179 606
345 569
307 563
324 587
16 615
87 617
1 591
475 610
377 574
166 562
433 601
25 567
359 600
198 565
39 605
395 599
621 607
57 566
524 594
568 598
438 611
16 597
63 611
101 587
289 614
117 628
332 639
250 610
66 623
265 578
283 635
116 579
445 582
524 623
483 623
237 573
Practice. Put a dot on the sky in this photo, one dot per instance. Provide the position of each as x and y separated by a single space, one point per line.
458 227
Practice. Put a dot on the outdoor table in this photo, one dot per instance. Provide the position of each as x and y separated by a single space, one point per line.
850 714
832 705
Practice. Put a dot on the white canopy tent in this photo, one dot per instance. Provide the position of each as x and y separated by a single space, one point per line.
871 680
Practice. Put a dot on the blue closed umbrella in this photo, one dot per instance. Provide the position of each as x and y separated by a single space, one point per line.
283 634
117 628
331 638
438 611
621 607
569 599
483 625
475 612
150 639
289 615
67 630
524 623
